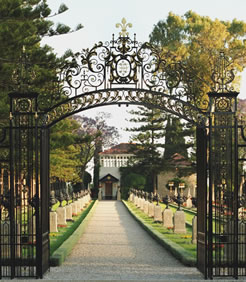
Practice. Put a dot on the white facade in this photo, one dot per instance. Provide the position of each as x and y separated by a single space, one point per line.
114 160
109 175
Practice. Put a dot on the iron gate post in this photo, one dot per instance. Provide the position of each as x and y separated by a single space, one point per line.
223 185
24 185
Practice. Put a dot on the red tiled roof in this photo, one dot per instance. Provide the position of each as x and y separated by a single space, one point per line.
179 160
122 148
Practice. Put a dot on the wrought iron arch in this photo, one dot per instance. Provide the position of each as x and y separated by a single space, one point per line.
122 71
123 96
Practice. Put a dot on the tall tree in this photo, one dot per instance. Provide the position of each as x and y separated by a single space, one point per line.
197 41
24 63
25 23
86 143
105 136
149 143
63 151
175 138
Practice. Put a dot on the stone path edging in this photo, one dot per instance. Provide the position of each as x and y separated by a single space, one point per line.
179 252
65 249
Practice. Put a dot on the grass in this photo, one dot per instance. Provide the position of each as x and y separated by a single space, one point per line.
188 215
57 238
182 240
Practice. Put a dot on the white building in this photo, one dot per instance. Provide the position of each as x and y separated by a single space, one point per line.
110 162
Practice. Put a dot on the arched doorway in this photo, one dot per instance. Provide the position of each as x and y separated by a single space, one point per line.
123 71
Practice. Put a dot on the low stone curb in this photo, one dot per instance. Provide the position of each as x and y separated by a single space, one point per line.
59 256
178 252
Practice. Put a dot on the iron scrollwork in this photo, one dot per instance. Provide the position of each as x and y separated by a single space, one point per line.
98 76
223 75
123 71
125 96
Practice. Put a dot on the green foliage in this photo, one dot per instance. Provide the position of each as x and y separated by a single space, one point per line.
148 141
129 180
77 187
175 138
63 152
135 180
87 179
63 8
25 23
198 41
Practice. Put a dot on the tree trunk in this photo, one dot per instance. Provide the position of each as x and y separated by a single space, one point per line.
98 149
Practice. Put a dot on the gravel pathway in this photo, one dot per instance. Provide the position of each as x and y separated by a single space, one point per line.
115 247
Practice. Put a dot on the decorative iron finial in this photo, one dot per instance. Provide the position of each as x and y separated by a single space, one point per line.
123 26
23 75
223 75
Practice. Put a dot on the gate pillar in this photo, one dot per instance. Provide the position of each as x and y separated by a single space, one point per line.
24 211
222 215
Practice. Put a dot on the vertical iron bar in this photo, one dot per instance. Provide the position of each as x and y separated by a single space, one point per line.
38 200
235 194
201 156
11 209
1 267
210 209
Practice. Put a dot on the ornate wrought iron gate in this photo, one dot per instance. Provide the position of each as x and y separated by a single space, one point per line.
221 246
222 238
124 71
24 202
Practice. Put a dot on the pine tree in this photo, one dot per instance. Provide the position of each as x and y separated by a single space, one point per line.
175 138
148 141
23 24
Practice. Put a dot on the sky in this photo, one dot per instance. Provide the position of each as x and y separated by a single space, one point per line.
99 18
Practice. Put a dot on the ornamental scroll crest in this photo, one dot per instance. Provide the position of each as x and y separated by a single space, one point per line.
122 62
101 75
125 61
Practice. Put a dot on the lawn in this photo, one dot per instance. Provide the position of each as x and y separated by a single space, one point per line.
188 214
57 238
183 240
